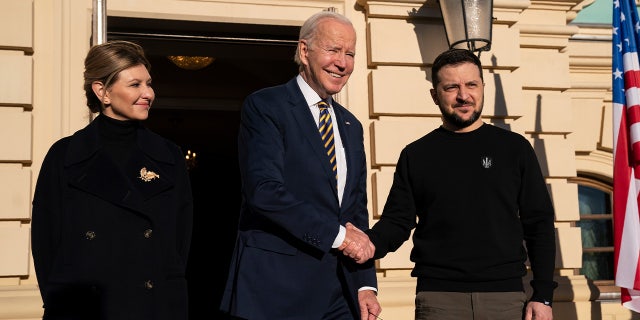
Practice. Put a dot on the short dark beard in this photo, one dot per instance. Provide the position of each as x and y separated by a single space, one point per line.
454 120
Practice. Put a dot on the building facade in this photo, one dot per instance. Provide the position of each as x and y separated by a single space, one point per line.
547 78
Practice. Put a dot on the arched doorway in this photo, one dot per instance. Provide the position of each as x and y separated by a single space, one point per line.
199 110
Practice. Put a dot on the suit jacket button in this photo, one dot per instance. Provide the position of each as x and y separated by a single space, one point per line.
90 235
148 284
147 233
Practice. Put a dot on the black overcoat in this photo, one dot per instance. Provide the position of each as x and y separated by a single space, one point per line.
110 242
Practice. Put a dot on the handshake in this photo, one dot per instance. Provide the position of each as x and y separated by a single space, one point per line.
357 245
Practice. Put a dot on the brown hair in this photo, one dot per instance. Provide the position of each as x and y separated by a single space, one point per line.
104 63
453 57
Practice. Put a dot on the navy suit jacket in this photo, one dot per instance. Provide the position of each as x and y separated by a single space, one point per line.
283 263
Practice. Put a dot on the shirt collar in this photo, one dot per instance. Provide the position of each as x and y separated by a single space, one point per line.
310 96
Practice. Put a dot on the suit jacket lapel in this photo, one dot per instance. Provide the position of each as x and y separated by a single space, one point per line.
309 129
345 134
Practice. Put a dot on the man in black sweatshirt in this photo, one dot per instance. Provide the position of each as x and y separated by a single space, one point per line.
477 199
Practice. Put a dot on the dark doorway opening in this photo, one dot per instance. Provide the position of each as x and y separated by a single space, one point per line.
199 110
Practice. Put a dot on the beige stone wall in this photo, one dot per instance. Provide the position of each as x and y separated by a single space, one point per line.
546 79
17 296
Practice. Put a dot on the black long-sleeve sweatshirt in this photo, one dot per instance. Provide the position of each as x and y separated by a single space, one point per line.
479 205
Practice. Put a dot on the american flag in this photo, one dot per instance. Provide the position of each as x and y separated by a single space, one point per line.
626 151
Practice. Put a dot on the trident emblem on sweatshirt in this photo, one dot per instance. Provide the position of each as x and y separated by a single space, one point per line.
487 162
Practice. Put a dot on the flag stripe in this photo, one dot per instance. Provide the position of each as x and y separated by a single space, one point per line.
626 151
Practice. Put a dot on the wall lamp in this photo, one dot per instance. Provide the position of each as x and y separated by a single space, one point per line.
468 23
191 62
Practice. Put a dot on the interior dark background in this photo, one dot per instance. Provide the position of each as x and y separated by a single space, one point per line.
199 110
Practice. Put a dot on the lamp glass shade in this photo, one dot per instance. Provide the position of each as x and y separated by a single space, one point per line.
191 62
468 23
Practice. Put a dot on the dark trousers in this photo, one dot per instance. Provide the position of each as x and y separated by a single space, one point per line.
339 308
432 305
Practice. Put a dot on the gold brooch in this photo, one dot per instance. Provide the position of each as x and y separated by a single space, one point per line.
147 176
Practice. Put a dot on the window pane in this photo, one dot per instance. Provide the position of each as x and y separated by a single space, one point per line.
596 233
597 265
593 201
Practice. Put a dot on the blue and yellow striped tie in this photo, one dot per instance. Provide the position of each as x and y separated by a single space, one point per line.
325 126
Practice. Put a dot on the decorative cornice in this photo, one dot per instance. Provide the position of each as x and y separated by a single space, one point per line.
504 11
546 36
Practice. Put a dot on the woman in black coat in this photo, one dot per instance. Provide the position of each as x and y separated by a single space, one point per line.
113 209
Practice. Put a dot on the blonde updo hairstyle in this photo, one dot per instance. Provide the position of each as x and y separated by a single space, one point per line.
104 63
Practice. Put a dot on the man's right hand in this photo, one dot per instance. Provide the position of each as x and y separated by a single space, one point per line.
357 245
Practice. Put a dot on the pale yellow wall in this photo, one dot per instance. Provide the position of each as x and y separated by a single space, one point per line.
16 154
15 128
542 82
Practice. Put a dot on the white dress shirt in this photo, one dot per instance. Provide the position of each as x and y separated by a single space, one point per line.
312 99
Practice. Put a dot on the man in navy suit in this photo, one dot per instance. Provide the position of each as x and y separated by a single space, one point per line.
297 214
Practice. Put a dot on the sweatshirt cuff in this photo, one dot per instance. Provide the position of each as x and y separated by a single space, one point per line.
543 291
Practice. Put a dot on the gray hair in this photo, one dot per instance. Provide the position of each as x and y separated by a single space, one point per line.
309 29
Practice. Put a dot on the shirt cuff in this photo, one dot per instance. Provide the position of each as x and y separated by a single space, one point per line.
369 288
543 291
340 237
